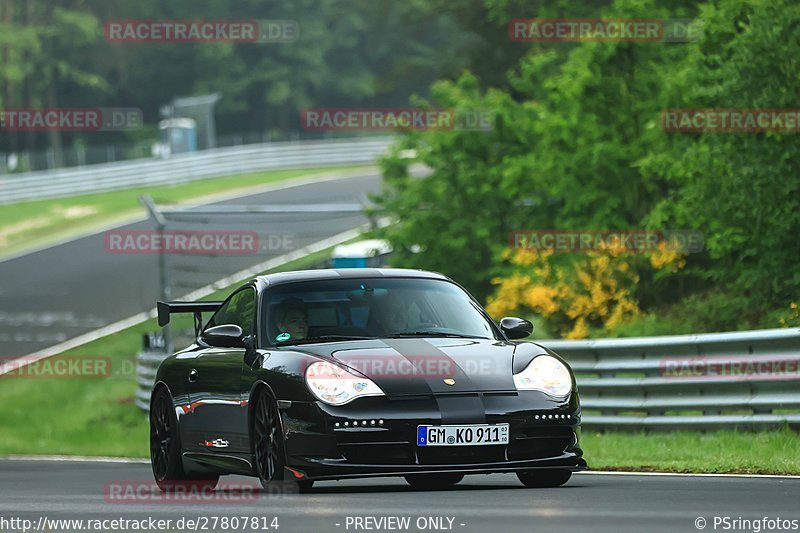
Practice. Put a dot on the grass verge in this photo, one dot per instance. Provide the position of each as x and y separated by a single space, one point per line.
719 452
26 225
88 416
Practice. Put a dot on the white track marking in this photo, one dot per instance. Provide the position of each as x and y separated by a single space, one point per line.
75 459
677 474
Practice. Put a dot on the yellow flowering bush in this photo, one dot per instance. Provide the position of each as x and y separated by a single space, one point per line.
792 318
577 292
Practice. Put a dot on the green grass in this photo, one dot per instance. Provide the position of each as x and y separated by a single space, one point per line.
29 224
89 416
721 452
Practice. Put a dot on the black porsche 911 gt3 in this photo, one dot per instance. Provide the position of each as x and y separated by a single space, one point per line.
331 374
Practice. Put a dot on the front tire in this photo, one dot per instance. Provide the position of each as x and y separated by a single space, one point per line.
165 449
268 447
433 481
544 478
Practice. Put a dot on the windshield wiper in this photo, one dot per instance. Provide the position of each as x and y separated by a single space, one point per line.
322 338
434 334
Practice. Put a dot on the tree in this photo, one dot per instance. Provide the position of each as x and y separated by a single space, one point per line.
741 189
563 153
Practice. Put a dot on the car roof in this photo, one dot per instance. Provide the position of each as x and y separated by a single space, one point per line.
347 273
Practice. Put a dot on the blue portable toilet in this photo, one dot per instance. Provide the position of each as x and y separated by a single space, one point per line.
179 134
370 253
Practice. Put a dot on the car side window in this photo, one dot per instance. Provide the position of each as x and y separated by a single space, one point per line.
239 309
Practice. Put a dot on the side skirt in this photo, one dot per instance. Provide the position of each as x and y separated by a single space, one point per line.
218 463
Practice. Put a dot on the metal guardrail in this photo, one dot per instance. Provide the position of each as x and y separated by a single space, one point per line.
182 168
147 363
748 379
707 381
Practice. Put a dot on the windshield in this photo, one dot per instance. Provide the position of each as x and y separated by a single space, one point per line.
342 309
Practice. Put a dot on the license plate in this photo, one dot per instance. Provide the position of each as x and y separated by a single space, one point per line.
472 435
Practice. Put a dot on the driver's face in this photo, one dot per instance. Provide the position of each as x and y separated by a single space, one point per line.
295 323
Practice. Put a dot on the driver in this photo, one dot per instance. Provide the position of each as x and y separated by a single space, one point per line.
291 316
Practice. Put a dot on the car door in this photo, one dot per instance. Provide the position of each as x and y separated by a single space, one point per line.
220 410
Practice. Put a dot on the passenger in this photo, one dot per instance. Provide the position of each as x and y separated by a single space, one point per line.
391 315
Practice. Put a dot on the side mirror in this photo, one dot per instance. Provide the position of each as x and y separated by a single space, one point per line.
516 328
225 336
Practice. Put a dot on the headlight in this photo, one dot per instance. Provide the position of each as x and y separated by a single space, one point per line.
547 374
336 386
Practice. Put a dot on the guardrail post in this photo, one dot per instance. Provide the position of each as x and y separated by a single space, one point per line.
163 279
606 375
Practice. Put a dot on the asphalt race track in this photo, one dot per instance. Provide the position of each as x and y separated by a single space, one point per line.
496 503
66 290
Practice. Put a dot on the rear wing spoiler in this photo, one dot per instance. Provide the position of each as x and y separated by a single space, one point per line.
166 309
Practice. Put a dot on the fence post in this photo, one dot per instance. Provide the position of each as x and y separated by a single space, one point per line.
163 280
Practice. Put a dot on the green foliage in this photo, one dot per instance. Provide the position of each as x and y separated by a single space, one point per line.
742 189
578 144
357 53
576 139
703 312
459 216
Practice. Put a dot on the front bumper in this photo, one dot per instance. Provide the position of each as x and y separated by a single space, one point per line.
380 436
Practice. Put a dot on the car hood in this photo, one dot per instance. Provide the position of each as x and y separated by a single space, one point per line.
424 366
